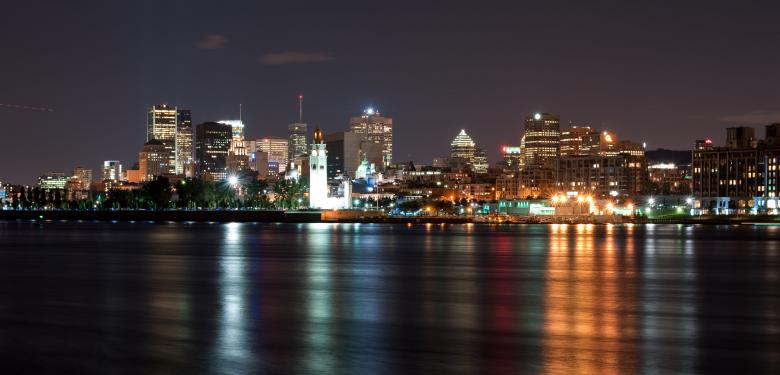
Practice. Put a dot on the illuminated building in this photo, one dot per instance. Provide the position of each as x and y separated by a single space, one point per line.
112 170
238 154
183 153
572 140
480 162
513 156
703 144
462 146
542 139
212 141
318 178
52 180
161 126
669 177
153 160
346 150
296 140
742 177
377 129
277 149
81 178
318 171
602 176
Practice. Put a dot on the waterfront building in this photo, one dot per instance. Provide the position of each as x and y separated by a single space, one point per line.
620 175
153 160
542 139
318 171
377 129
184 133
212 142
318 178
741 177
161 126
112 170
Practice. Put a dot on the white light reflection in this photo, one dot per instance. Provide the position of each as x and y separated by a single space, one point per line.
232 352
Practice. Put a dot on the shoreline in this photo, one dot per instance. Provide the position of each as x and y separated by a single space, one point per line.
279 216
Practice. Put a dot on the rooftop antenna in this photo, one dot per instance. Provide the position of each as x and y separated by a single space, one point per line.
300 108
240 108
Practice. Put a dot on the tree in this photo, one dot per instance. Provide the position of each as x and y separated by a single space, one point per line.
157 193
289 194
256 193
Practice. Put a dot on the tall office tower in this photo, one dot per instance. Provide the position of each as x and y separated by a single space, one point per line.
463 147
740 137
572 139
161 125
542 139
112 170
318 171
297 134
238 155
277 149
154 160
297 140
81 178
375 128
212 142
184 156
237 128
512 156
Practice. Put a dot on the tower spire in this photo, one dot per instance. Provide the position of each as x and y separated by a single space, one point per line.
240 108
300 108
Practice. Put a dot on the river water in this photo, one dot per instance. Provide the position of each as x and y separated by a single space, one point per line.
387 299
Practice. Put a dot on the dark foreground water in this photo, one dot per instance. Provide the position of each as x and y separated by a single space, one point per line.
388 299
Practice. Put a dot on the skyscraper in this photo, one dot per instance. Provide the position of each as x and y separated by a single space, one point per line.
212 141
112 170
462 147
542 138
297 140
238 155
153 160
375 128
572 140
297 134
183 140
277 149
161 126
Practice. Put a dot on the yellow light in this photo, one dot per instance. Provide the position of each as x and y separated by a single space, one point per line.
610 206
589 198
630 207
555 199
580 199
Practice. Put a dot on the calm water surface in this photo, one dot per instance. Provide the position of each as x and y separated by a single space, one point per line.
388 299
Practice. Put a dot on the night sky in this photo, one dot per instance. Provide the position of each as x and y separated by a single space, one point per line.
664 74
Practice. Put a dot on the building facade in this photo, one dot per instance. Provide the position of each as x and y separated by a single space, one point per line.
153 160
277 150
620 175
318 171
296 140
184 150
377 129
112 170
212 142
161 125
542 139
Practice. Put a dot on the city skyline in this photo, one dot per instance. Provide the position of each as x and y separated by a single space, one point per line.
670 69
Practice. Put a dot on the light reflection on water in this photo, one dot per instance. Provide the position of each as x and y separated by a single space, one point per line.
359 299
